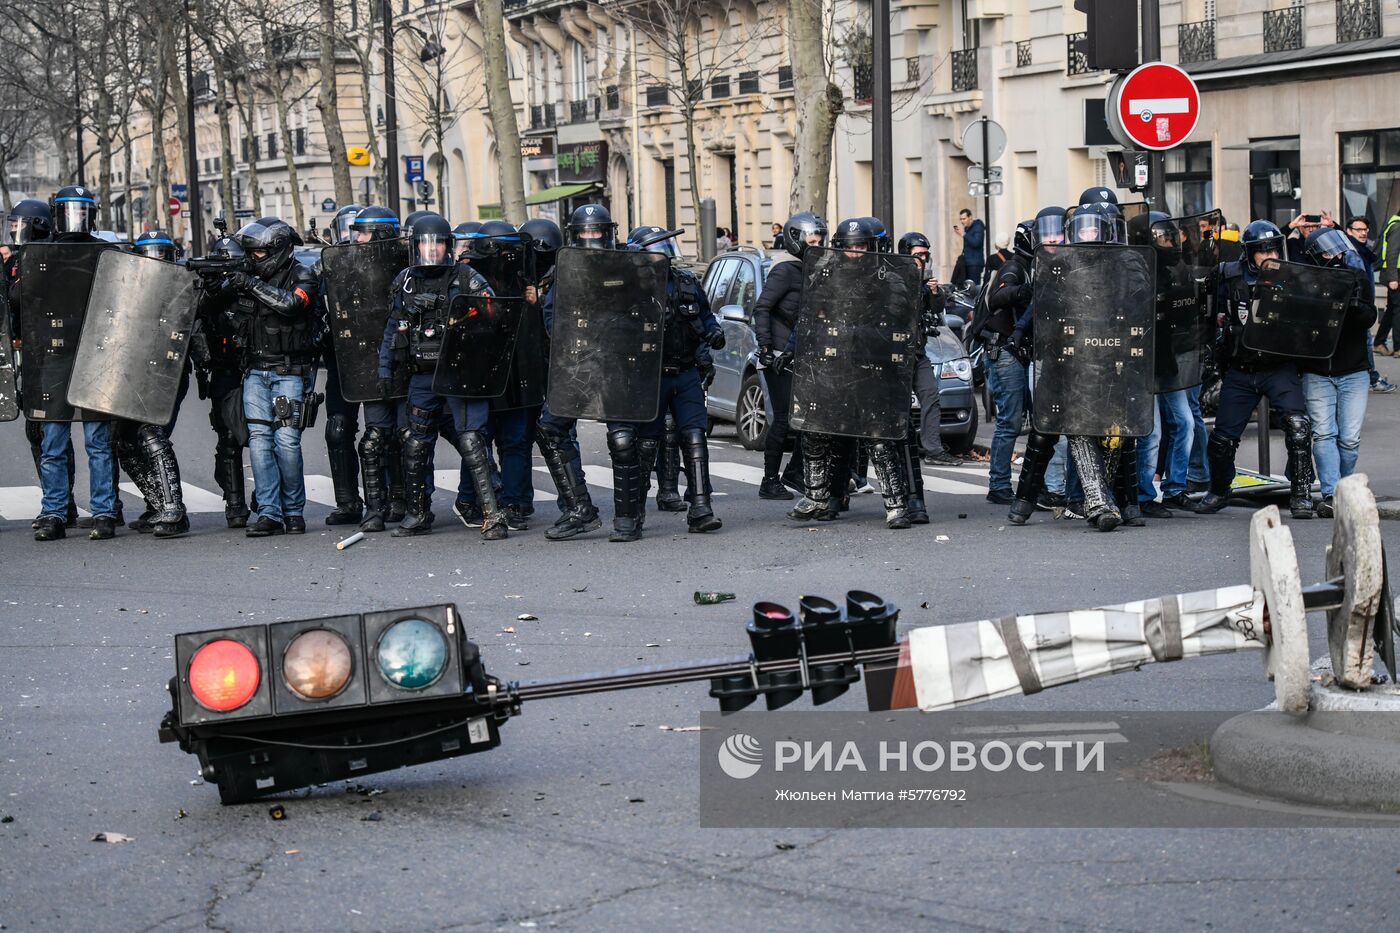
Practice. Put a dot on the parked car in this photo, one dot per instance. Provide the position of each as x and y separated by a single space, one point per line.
739 393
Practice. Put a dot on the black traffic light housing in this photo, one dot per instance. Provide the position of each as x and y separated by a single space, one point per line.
1111 40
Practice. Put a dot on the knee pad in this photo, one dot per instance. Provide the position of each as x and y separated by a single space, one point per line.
373 442
622 445
1221 446
417 450
340 431
1297 429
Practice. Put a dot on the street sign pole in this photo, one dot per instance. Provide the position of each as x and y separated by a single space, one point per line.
986 197
882 167
1152 52
391 113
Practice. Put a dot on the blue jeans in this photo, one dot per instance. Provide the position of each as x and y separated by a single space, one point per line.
513 432
274 451
1006 376
1337 406
1198 470
1055 471
1173 419
53 467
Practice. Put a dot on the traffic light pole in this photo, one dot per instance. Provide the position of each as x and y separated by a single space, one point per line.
1152 52
391 114
986 193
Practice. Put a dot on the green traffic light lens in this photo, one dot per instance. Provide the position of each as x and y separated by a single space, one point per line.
412 654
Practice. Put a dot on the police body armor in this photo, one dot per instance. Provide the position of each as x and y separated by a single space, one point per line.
425 306
275 341
683 332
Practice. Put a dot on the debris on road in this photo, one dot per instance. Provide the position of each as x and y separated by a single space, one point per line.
686 728
356 538
527 617
113 838
278 812
712 599
374 817
509 629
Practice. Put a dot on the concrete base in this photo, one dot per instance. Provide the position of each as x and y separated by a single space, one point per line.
1344 752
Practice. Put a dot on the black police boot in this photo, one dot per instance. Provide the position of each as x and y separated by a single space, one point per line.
894 482
1098 503
818 504
228 473
104 527
373 448
1125 484
134 460
472 447
1040 450
701 517
648 453
579 515
668 473
345 466
1297 439
296 524
171 519
418 517
914 475
1220 458
627 481
48 528
394 466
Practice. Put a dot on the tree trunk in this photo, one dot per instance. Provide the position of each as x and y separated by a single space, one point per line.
365 53
818 103
279 97
5 204
159 188
225 134
126 174
175 72
328 104
244 103
692 159
503 121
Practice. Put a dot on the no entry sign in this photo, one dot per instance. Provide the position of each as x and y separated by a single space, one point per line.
1154 106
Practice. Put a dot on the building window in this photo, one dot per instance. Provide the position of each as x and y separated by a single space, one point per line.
272 145
658 96
784 77
668 171
578 68
614 98
300 138
1188 180
748 82
1371 177
719 87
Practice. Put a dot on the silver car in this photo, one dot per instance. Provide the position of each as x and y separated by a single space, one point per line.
739 394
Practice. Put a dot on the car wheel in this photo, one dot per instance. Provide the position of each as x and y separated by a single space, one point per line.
962 443
750 416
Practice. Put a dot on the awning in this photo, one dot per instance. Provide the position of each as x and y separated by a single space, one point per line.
1287 144
560 192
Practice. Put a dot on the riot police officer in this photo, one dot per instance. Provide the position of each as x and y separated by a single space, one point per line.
929 433
668 456
590 226
342 417
155 244
688 324
1250 375
74 214
421 299
775 317
30 221
275 317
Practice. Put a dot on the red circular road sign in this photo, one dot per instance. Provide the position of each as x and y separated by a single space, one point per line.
1154 106
174 207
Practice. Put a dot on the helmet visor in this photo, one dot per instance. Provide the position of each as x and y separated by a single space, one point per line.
431 250
341 226
74 215
1329 244
19 231
1050 229
256 236
593 236
156 249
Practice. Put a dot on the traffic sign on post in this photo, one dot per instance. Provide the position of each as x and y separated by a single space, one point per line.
984 144
1154 106
175 207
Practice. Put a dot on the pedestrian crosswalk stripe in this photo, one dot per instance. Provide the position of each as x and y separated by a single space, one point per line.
21 503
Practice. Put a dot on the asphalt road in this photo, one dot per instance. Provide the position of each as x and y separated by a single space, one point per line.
587 816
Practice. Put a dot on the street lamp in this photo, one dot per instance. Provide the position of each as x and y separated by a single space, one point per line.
431 50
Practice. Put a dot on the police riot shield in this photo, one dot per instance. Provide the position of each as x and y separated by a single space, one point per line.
1298 309
1181 300
529 372
478 346
54 282
9 397
1094 322
606 346
356 279
136 335
855 343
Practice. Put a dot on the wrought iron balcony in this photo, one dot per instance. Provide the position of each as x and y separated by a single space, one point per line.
1076 62
912 72
1283 29
1358 19
964 70
862 82
1195 42
1023 53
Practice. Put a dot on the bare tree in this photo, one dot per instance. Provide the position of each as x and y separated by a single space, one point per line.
364 47
819 102
692 43
442 63
328 104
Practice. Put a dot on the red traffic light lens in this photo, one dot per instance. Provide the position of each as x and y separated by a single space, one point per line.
224 675
317 664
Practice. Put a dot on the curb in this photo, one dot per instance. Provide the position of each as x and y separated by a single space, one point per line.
1333 758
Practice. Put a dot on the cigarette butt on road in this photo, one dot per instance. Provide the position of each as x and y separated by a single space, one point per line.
356 538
